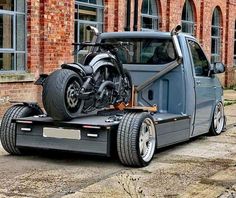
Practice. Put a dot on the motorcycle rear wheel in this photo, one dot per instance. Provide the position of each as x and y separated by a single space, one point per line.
59 95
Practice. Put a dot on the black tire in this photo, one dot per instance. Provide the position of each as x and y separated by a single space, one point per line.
218 122
55 95
129 137
8 128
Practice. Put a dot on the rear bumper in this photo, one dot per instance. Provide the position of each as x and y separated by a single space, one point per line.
92 141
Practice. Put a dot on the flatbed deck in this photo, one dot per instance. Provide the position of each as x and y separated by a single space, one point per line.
99 120
91 120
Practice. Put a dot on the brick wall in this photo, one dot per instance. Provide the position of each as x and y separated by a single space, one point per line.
50 33
50 25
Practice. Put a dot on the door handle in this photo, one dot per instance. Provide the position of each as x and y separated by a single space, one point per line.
198 82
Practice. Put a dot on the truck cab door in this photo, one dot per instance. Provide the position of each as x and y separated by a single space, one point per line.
204 89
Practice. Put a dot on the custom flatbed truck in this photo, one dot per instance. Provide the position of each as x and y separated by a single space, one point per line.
176 96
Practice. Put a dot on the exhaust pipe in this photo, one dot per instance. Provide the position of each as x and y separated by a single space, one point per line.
174 34
93 29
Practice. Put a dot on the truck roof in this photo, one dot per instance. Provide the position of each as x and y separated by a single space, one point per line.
140 34
135 35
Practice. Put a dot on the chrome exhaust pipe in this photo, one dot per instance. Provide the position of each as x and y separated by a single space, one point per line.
174 34
93 29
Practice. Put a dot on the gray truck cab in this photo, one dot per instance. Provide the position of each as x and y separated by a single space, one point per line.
192 88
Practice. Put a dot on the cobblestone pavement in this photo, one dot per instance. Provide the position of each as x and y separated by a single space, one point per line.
202 167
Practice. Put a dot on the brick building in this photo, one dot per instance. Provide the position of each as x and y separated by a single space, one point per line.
36 35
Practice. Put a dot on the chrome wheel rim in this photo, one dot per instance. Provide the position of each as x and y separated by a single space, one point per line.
72 99
219 118
147 140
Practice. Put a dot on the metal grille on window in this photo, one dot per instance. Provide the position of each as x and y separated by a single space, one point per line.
188 18
12 35
215 36
87 12
149 16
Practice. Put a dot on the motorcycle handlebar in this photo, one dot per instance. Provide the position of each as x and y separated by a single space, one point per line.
105 46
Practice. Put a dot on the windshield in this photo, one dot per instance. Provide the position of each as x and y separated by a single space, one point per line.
145 50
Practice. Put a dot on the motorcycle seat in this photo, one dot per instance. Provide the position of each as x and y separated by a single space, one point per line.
87 69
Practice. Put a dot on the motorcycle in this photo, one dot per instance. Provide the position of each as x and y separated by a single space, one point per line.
97 82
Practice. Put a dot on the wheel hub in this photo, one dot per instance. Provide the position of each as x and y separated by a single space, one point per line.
219 118
72 94
147 139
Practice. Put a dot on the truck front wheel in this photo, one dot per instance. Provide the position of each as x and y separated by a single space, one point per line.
8 128
136 139
218 120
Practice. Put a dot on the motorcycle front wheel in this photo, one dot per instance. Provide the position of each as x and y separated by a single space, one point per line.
128 87
60 95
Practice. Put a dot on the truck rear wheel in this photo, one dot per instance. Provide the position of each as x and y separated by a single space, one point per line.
136 139
59 95
8 128
218 120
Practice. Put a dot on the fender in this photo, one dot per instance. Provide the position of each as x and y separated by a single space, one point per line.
102 59
101 56
103 63
78 68
33 105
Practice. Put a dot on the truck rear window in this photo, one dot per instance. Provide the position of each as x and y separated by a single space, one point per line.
145 51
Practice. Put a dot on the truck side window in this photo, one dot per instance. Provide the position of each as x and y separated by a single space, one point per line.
200 62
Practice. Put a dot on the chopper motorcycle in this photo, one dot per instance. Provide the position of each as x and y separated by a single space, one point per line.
97 82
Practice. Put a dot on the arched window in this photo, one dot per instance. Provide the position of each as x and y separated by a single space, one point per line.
216 35
150 18
188 18
235 44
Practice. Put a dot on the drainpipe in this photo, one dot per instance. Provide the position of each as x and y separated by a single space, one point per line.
135 15
127 28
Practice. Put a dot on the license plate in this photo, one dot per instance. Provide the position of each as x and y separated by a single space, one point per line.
61 133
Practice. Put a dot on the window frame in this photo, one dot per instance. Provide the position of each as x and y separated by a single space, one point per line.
191 58
78 22
151 16
14 50
189 22
96 23
216 57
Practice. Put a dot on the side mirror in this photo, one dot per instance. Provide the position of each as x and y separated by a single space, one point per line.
217 68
